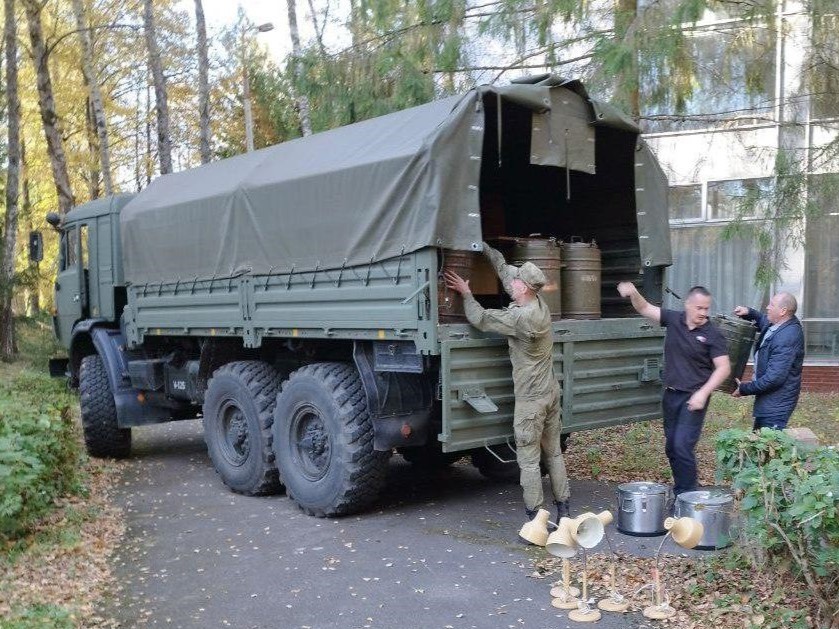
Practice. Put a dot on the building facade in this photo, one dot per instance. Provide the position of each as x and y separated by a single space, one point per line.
753 170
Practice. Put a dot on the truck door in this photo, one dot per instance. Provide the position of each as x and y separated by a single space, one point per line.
70 294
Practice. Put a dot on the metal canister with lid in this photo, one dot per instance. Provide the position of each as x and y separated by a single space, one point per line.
713 508
581 271
642 507
739 337
544 253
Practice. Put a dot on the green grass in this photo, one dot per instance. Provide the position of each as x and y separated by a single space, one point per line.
38 617
63 534
36 342
636 451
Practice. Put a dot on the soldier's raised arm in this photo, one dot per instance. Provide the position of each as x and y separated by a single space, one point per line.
506 272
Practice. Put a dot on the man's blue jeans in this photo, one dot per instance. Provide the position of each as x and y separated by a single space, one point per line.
682 429
778 422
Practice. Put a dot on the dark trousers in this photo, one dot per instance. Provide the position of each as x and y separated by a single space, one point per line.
681 433
779 422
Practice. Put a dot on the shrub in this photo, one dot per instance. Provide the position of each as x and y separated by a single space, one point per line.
789 499
39 450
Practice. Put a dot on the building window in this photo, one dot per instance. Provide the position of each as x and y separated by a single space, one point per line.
725 266
686 203
823 76
821 280
738 198
717 11
732 80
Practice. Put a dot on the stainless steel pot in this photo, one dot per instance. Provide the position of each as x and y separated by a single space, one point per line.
713 507
642 508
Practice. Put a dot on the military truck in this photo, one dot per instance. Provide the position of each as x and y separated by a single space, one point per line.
290 296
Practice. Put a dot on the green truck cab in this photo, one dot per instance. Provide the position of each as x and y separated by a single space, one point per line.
289 296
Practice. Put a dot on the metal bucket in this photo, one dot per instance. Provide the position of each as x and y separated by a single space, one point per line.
712 507
580 280
544 253
642 508
739 336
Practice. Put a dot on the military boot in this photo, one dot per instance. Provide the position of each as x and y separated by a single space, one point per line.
562 510
531 513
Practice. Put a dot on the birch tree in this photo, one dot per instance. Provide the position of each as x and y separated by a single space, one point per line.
7 257
46 105
203 84
97 108
164 138
33 302
297 53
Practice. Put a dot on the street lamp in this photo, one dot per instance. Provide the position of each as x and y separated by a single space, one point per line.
261 28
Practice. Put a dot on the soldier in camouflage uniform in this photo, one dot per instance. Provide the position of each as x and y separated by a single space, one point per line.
527 325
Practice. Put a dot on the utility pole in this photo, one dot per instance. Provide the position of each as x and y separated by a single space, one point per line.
246 84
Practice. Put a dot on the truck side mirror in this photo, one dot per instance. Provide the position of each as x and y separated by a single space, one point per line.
36 247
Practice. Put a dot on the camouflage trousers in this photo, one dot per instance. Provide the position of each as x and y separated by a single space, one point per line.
537 426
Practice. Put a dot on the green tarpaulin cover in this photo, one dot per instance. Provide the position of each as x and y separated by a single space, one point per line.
368 191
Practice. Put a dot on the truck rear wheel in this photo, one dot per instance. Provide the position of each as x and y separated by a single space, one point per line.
238 413
323 439
490 467
102 435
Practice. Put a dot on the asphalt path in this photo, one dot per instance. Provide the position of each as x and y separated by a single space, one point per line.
439 550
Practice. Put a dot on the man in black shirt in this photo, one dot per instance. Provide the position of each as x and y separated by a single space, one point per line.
695 363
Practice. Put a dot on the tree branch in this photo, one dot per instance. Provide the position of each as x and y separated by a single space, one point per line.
90 29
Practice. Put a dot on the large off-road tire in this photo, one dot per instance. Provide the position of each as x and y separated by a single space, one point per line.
102 435
492 468
323 439
238 414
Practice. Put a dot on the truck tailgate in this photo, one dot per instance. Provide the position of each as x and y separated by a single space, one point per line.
608 370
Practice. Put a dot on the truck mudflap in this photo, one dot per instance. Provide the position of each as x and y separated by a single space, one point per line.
609 372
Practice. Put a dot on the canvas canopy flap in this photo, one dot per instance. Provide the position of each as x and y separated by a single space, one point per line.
368 191
563 136
652 209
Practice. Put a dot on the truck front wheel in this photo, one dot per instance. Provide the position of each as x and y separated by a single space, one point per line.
323 439
102 435
238 413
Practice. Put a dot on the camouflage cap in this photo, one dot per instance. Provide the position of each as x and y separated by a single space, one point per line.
532 275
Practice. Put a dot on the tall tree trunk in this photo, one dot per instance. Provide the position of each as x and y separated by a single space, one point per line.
296 51
149 159
94 167
318 30
46 104
356 23
7 257
164 139
33 307
138 127
626 12
203 84
95 94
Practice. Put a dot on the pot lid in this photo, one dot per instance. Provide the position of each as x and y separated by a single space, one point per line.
643 488
707 497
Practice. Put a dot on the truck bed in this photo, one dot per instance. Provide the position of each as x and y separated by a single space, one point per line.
392 299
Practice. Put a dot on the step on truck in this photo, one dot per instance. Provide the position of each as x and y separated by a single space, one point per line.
290 297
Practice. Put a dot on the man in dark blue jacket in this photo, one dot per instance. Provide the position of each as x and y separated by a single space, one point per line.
779 357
